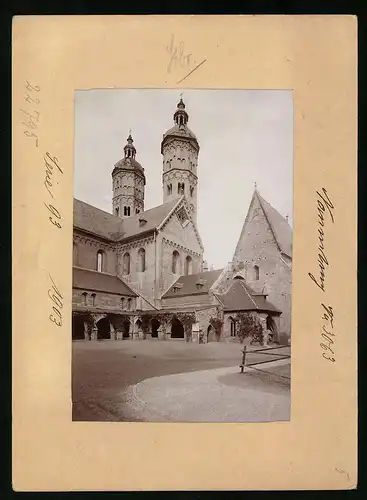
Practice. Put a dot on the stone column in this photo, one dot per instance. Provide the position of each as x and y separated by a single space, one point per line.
86 333
112 332
195 332
94 334
167 330
161 333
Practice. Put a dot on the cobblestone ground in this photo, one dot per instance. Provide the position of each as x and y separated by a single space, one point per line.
104 374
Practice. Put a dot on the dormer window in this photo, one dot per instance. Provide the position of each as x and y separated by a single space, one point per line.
177 287
142 222
200 283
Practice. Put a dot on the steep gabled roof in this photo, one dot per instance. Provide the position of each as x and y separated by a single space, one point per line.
96 221
187 285
282 231
152 217
87 279
100 223
241 297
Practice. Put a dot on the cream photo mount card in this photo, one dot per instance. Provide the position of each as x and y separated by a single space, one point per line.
180 185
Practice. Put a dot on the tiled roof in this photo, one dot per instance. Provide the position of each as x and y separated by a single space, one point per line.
187 285
153 218
98 222
240 297
87 279
281 229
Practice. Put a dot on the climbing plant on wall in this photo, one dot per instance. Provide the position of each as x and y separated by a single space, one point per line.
217 324
187 320
248 327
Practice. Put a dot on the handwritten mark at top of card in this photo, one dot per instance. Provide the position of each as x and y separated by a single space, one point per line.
30 112
325 212
180 60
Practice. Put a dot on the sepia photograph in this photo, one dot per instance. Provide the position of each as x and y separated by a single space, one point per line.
182 255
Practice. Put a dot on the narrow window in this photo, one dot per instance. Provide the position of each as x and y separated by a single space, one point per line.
188 265
117 211
93 299
257 272
233 328
101 261
137 210
175 262
127 211
129 304
122 303
141 260
191 191
75 254
84 295
126 264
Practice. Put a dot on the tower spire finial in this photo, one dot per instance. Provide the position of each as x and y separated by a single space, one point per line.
255 184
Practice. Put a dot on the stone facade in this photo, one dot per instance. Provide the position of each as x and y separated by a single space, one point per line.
108 301
260 261
85 251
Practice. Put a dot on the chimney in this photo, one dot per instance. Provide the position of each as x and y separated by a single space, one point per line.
205 266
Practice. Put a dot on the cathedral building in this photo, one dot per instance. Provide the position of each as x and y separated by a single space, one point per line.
140 273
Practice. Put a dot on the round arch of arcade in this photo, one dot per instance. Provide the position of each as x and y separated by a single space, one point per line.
109 326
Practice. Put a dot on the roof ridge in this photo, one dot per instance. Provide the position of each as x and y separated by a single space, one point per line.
267 219
96 208
248 293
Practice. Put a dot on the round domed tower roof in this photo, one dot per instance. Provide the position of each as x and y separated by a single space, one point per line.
180 128
129 162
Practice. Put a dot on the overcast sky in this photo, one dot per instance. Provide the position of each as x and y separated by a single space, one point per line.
245 136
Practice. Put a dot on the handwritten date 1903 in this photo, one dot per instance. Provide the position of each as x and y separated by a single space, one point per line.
327 333
57 301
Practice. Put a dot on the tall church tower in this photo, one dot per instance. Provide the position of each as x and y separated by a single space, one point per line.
180 150
128 184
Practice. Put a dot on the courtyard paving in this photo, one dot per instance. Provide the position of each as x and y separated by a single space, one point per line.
152 380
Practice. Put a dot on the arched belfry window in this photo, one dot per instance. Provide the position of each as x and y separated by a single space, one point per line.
117 210
122 302
126 264
188 265
175 262
257 272
84 295
101 261
93 299
141 260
